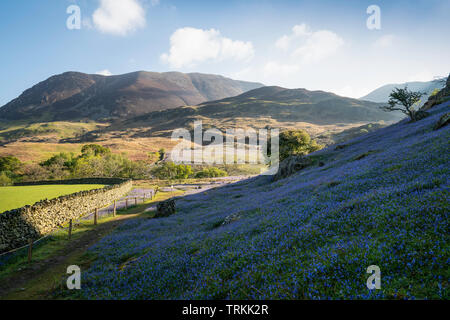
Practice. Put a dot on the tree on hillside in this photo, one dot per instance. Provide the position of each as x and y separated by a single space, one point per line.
9 169
5 180
162 154
9 164
35 172
296 142
94 149
172 171
404 100
62 159
154 157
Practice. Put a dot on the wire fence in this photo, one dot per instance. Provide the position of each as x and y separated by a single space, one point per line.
133 198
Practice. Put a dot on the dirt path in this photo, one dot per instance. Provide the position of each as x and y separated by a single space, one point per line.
39 279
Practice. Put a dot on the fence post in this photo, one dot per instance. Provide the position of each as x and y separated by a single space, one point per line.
70 229
30 249
95 216
126 204
115 208
135 201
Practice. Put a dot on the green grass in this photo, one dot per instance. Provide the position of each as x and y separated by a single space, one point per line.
17 197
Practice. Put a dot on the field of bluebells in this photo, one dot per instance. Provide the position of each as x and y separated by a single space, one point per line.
383 199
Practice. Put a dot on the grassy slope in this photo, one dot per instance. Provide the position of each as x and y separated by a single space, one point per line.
16 197
136 149
57 130
312 235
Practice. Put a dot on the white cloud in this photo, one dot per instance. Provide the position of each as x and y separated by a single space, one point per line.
424 75
119 17
351 92
191 46
274 68
310 46
384 41
299 52
298 31
319 45
105 72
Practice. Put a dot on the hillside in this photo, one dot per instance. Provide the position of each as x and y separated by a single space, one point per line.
325 116
78 96
382 94
262 107
381 199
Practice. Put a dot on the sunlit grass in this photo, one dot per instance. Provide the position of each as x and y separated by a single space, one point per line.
17 197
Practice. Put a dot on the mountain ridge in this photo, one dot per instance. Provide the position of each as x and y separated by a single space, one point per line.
381 94
75 95
267 106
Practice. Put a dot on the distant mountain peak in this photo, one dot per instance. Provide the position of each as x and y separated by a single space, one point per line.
381 95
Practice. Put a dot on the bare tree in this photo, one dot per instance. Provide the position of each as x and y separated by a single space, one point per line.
404 100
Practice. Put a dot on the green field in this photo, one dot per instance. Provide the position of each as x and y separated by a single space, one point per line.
16 197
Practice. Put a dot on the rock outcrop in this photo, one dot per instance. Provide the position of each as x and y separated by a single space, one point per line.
291 165
165 208
438 98
443 121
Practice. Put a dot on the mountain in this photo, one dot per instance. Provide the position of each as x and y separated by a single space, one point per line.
382 94
79 96
266 106
282 104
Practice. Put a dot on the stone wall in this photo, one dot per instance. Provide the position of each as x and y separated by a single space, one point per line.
33 222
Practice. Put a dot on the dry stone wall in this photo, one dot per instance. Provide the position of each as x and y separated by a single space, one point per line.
33 222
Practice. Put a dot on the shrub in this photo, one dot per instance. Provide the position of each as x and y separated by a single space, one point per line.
94 149
9 163
170 171
212 172
5 180
296 142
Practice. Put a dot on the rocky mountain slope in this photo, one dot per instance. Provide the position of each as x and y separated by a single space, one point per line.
79 96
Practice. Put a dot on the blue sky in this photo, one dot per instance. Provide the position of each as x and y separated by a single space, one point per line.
309 44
